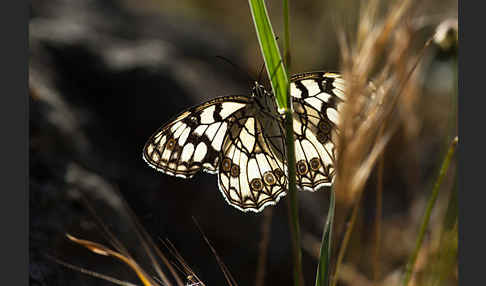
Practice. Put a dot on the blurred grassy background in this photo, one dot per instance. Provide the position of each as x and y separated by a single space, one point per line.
104 75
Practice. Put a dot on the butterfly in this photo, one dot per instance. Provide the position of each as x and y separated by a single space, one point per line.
242 140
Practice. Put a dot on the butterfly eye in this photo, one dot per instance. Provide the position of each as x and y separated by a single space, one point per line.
302 167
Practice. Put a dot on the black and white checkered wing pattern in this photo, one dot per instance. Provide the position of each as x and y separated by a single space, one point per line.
193 141
252 173
317 99
242 140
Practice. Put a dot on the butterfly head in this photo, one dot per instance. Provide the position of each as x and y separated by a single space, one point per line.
258 90
263 98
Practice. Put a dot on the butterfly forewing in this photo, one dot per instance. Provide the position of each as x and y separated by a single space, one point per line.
194 139
316 97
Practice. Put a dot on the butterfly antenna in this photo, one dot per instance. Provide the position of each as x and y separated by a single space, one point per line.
235 66
261 73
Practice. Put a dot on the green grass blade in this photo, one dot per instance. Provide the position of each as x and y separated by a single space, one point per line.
268 44
428 211
323 273
278 77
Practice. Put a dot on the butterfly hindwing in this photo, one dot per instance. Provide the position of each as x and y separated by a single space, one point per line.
252 174
194 139
316 97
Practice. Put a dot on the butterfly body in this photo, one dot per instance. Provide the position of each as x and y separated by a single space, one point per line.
242 139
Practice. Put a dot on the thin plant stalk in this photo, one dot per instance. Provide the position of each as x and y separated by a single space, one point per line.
263 247
227 274
290 145
347 235
428 210
92 273
378 218
103 250
447 246
446 256
293 203
323 269
454 97
279 80
287 57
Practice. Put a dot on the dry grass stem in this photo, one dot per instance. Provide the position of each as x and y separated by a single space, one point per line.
345 240
103 250
375 109
263 247
147 264
382 53
378 219
227 274
91 273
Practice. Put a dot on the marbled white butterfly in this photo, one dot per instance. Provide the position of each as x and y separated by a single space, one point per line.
241 138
